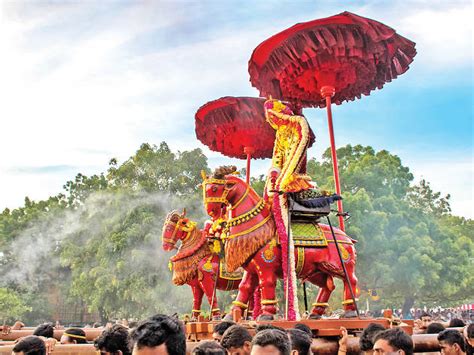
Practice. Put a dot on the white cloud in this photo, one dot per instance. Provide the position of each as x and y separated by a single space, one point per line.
73 94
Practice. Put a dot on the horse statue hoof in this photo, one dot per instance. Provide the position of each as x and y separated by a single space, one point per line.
266 317
315 316
349 314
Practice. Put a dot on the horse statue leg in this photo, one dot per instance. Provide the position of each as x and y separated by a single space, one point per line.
198 293
246 288
326 286
348 303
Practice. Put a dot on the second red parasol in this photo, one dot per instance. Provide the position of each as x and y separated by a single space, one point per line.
236 127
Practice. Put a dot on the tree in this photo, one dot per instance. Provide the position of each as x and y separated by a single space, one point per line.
405 250
12 306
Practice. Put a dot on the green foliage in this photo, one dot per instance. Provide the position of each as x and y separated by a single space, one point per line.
98 243
12 307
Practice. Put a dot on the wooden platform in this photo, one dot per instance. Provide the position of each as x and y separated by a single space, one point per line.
197 331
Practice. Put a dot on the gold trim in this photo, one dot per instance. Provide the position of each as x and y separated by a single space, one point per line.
196 311
258 225
215 309
348 301
320 304
267 302
240 304
247 215
339 241
242 198
299 260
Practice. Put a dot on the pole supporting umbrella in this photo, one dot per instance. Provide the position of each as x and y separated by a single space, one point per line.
328 92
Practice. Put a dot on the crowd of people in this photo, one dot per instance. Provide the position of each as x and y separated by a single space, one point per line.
162 334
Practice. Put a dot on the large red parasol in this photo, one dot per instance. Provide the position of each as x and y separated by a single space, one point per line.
236 127
339 57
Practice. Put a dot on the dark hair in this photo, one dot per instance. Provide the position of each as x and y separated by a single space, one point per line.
261 327
397 339
235 337
470 331
434 328
221 327
275 337
30 345
304 328
209 347
366 340
425 314
300 341
44 330
456 322
452 337
160 329
114 339
76 334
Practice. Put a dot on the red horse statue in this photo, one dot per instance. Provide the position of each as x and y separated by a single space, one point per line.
194 263
251 242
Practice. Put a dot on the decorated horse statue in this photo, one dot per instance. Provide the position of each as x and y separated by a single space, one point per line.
195 264
251 241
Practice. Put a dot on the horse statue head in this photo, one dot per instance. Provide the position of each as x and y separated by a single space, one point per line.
217 191
176 227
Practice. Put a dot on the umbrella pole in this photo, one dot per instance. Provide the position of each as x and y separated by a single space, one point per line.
327 92
248 169
248 151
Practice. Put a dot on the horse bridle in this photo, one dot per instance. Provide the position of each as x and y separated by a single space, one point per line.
178 226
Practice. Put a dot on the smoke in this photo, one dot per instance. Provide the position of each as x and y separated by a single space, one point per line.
131 224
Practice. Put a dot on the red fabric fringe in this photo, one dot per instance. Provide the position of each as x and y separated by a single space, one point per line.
354 54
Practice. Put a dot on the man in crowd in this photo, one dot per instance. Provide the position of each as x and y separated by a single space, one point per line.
30 345
74 336
391 341
422 323
468 333
209 347
114 341
44 330
220 328
237 340
159 335
271 342
451 342
300 341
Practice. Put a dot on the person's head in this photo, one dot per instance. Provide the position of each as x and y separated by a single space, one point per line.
73 336
425 320
158 335
44 330
304 328
237 340
456 323
393 340
300 341
451 342
261 327
271 342
114 341
434 328
30 345
220 328
209 347
366 340
468 333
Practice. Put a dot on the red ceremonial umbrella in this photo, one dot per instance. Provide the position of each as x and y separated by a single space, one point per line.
334 59
236 127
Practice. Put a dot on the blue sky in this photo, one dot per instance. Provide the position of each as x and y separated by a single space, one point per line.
82 82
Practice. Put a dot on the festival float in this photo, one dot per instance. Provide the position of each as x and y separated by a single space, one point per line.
281 234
